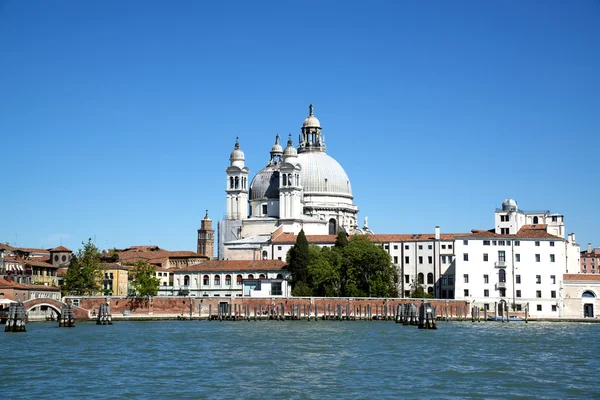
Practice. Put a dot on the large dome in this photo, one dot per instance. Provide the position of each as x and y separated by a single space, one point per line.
323 174
265 184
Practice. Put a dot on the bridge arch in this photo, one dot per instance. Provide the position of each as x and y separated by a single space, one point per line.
55 305
51 303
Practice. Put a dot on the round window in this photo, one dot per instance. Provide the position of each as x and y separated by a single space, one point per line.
55 258
64 258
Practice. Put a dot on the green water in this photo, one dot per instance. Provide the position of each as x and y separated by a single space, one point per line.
301 360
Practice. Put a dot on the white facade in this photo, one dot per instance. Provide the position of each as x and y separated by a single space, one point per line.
517 262
301 188
225 278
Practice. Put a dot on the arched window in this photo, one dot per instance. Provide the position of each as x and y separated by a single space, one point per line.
228 280
279 276
290 180
430 279
237 182
588 294
239 279
264 255
420 278
262 276
217 280
284 180
502 275
186 280
332 227
430 290
250 276
231 182
535 220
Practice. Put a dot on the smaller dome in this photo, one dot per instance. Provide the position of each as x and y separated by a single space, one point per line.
509 205
290 150
276 147
237 154
311 121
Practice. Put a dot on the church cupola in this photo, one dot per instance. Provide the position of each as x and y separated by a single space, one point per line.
237 185
311 139
276 152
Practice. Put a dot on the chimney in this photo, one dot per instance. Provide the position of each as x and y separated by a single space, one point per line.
589 248
571 238
437 233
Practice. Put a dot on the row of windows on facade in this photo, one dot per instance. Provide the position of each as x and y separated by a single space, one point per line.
449 279
429 259
63 258
420 278
505 243
538 293
406 247
506 218
235 183
502 257
217 279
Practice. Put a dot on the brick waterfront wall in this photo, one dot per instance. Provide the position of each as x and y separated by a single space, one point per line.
176 305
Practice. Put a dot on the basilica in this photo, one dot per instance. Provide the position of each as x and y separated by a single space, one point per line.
301 187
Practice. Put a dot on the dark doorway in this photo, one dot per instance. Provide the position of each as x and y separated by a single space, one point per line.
588 311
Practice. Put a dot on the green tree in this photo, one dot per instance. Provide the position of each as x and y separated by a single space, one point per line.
297 259
419 293
324 271
84 272
369 269
341 241
145 283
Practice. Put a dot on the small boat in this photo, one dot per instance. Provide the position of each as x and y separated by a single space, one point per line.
513 318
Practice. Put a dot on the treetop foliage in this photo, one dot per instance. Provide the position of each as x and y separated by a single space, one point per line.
352 268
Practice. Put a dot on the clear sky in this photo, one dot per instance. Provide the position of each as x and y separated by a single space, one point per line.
118 117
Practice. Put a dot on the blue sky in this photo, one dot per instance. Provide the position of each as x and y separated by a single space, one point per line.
118 117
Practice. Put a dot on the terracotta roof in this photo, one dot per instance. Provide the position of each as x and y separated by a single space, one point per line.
6 247
236 265
155 256
290 238
408 237
115 265
11 284
188 254
526 232
60 248
581 277
32 250
38 263
14 258
61 272
42 287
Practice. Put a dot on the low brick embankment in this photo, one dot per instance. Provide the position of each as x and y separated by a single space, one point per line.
175 306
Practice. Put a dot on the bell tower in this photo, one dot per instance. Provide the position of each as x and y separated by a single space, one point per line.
206 237
237 185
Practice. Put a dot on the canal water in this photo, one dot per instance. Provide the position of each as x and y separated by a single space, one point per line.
301 360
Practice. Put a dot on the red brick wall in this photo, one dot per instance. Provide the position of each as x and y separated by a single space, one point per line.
181 305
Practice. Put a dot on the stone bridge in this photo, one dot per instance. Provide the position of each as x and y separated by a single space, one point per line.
80 313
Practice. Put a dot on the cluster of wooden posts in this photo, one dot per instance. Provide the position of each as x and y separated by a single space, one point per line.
67 317
404 313
104 317
426 318
17 317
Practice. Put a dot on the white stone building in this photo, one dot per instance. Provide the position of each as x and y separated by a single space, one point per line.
226 278
301 188
420 259
518 263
